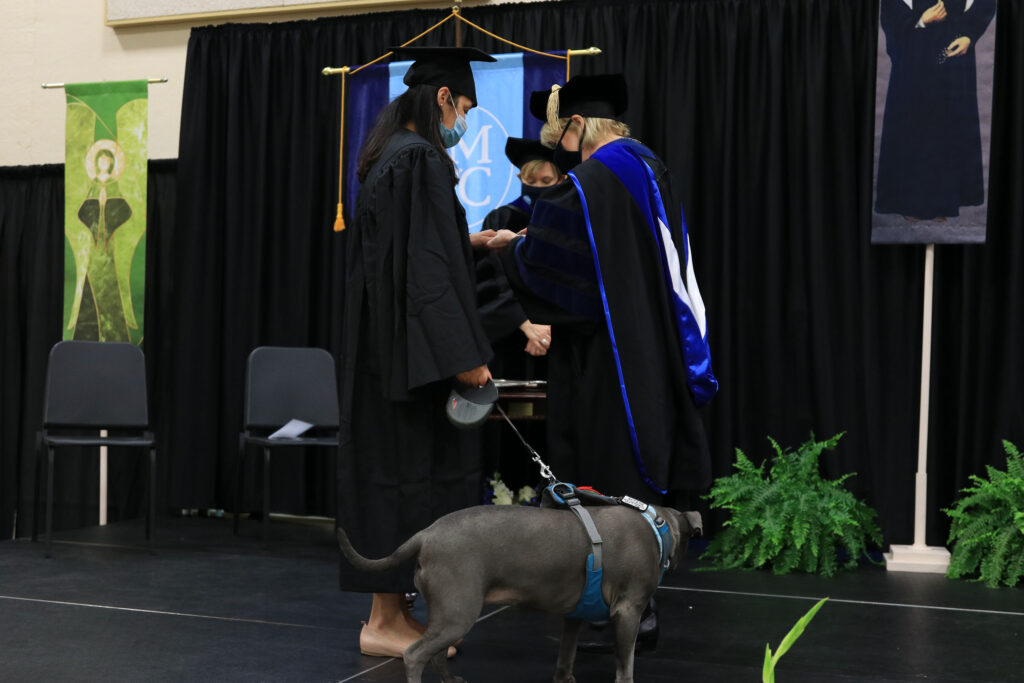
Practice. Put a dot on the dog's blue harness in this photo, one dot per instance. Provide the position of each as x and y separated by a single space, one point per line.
592 606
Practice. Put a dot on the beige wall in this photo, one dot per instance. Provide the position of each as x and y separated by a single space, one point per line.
58 41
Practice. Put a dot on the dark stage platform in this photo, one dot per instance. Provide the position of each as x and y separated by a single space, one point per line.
206 606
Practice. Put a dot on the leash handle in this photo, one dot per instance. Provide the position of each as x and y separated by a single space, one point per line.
545 471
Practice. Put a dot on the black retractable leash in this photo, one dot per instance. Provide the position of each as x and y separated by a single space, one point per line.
545 471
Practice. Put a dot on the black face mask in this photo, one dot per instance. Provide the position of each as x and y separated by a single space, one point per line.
532 192
563 158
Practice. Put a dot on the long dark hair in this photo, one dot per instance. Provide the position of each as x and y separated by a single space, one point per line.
418 105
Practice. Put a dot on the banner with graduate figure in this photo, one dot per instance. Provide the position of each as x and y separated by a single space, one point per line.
105 175
936 60
487 179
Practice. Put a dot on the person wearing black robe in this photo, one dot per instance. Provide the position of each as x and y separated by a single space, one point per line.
929 161
519 344
606 261
410 326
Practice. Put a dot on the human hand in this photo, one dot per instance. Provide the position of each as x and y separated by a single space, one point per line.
936 12
538 338
958 46
477 377
479 240
501 239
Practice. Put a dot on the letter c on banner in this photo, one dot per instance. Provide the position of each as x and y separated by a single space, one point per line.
462 186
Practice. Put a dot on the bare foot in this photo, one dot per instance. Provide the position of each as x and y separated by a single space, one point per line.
390 642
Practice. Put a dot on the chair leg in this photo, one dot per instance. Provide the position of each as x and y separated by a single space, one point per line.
238 479
266 491
35 484
49 500
151 509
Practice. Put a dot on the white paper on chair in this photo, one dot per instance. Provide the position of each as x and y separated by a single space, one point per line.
293 429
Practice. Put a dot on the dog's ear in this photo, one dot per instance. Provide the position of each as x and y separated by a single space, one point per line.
693 520
684 525
679 528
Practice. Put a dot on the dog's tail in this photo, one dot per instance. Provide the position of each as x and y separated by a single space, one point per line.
405 552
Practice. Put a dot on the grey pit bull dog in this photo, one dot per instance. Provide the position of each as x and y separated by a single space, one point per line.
535 557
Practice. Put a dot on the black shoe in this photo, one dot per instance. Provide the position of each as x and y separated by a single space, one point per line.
596 636
599 636
647 636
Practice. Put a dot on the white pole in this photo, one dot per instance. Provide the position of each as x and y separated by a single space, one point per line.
103 481
920 557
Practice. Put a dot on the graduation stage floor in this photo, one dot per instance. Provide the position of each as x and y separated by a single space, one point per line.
207 606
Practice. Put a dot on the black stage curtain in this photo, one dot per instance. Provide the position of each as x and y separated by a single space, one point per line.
764 109
31 304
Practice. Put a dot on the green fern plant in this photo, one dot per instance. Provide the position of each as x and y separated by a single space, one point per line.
987 527
789 518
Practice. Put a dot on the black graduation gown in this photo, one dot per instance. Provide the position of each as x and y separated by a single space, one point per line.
552 271
929 162
410 325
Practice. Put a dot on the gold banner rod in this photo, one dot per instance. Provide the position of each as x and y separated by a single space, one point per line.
61 85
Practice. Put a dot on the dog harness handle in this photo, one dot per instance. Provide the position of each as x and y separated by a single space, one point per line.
565 494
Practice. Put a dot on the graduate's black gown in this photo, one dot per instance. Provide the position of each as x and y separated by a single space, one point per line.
410 325
552 271
929 162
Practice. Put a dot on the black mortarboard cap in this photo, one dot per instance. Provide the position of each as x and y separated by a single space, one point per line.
520 150
603 96
539 104
443 66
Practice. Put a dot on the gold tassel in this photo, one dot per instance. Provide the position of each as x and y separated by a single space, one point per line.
339 222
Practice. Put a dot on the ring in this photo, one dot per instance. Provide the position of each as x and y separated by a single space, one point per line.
544 340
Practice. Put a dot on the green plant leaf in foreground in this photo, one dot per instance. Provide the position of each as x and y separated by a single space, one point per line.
768 671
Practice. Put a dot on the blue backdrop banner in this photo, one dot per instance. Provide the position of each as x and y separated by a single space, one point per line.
487 179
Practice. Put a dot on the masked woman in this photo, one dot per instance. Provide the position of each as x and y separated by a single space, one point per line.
606 261
410 326
517 341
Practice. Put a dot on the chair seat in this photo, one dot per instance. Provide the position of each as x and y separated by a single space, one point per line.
301 441
88 440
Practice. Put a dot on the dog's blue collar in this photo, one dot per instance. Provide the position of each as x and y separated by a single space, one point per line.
661 532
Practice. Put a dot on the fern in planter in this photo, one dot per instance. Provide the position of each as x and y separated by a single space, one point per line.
988 525
790 518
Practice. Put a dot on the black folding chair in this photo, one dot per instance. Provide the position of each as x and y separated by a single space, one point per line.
282 384
93 386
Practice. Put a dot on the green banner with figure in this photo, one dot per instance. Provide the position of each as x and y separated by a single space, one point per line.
105 173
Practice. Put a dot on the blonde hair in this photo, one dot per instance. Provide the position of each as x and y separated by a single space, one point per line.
594 129
534 166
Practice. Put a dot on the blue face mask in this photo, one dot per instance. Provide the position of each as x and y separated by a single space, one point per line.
451 136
